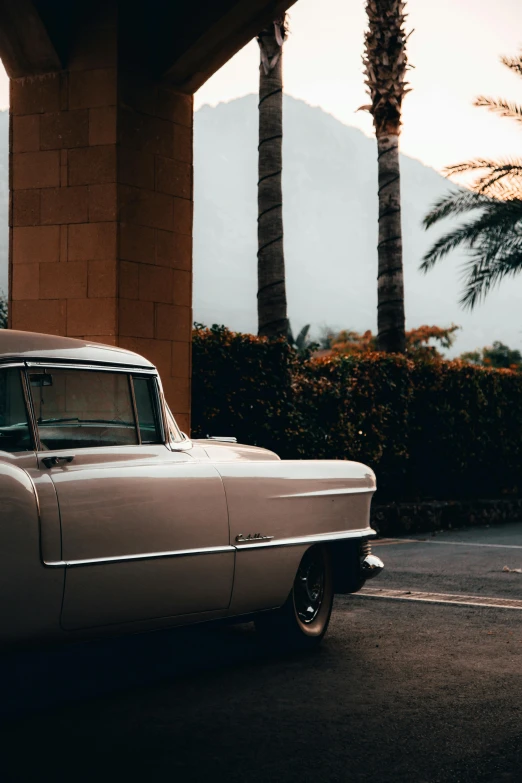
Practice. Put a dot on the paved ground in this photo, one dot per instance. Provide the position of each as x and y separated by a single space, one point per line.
401 690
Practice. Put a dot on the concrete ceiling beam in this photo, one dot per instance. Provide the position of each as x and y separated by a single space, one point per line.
221 41
25 45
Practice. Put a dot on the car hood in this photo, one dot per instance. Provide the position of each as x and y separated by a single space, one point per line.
221 451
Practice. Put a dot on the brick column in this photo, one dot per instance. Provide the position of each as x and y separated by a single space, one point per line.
101 209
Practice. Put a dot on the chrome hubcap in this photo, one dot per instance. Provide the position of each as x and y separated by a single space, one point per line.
309 586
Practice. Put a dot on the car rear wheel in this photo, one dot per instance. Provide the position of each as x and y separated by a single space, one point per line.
303 620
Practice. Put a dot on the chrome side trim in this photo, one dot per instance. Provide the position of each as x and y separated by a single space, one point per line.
321 493
211 550
66 365
130 384
315 539
251 538
10 364
29 407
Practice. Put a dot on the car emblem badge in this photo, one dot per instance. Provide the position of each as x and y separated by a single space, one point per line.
241 539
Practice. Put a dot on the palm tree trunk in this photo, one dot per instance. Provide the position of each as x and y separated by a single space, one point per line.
271 294
386 64
390 280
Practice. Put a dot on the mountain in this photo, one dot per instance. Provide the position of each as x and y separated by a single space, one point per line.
330 221
330 215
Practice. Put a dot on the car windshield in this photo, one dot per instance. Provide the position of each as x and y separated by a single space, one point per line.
83 408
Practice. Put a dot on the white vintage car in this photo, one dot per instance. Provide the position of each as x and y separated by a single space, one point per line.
114 521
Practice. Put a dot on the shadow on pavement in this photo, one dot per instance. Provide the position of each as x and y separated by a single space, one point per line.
193 704
398 693
49 677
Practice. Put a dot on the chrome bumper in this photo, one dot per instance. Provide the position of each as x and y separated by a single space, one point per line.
371 566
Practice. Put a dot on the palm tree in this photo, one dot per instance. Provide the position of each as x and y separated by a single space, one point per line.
301 343
494 234
3 310
271 292
385 64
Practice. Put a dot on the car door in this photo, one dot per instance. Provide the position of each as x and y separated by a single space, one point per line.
144 529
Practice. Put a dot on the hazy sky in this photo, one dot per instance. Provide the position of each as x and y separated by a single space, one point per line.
455 48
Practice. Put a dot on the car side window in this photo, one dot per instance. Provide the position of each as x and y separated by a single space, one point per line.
77 409
15 433
146 397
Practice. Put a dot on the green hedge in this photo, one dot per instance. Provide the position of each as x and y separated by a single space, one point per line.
429 429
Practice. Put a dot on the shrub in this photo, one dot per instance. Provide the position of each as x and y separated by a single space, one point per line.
429 429
242 385
419 343
497 355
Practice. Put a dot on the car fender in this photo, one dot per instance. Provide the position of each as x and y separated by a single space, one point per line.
278 509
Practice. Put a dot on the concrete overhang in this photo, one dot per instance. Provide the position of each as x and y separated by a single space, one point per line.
183 42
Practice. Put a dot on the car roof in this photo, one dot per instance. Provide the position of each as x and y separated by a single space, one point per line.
32 346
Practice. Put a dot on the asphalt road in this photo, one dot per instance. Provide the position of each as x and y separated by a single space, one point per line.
402 690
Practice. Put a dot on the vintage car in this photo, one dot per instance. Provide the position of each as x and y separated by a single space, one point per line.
114 521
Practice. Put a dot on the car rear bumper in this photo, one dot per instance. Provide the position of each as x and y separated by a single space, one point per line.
353 563
371 566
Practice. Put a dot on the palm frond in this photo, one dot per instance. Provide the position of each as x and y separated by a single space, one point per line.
447 243
489 248
500 106
505 191
509 169
512 172
469 234
513 63
493 229
454 203
302 337
494 236
478 164
484 276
